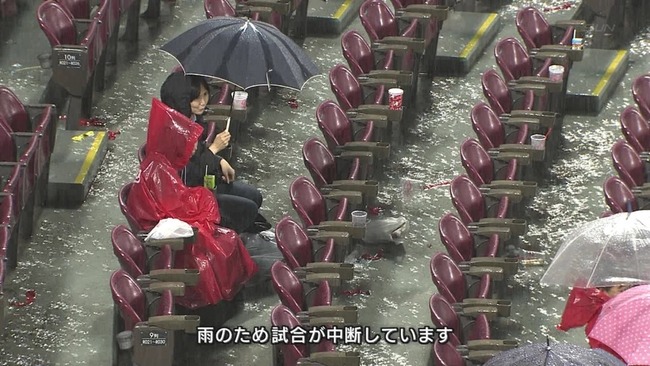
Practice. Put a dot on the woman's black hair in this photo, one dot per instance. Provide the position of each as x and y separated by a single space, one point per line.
179 90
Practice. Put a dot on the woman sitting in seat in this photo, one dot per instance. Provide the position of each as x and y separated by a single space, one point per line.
239 202
159 192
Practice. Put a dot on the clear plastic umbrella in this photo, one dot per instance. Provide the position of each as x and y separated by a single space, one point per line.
604 252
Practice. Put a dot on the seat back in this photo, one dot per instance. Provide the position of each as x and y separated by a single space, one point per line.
334 124
129 251
533 28
288 287
496 92
13 111
79 9
443 315
281 316
218 8
293 242
123 198
378 20
129 298
357 53
467 199
446 354
628 164
319 161
477 162
345 87
512 58
618 196
488 127
308 202
8 148
448 278
641 94
635 129
57 23
456 238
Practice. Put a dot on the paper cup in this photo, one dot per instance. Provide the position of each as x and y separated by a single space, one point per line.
239 100
125 339
538 142
395 99
359 218
556 72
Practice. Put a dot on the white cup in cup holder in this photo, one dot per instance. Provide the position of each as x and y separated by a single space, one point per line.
538 141
125 339
359 218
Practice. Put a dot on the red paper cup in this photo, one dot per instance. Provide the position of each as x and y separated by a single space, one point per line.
395 99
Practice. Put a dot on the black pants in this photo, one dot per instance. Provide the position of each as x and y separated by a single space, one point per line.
238 204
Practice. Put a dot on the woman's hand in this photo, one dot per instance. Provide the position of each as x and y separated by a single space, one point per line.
220 142
228 171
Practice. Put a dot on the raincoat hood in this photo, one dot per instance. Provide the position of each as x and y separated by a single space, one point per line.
171 134
175 92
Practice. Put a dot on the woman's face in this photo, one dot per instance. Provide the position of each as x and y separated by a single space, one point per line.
198 104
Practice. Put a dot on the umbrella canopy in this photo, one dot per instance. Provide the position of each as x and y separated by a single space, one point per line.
604 252
243 52
623 325
559 354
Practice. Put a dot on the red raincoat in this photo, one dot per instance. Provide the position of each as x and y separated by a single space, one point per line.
218 253
582 309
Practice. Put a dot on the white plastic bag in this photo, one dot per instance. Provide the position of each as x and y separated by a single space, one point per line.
170 229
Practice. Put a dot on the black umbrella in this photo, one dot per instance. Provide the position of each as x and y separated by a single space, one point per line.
558 354
243 52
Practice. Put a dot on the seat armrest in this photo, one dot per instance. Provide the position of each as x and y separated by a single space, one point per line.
334 279
189 277
174 243
411 15
398 49
546 119
344 270
517 226
514 195
379 121
381 109
490 307
381 150
523 158
557 57
519 121
346 226
551 86
491 344
402 77
365 156
536 155
372 82
349 314
334 358
353 197
186 323
509 266
248 11
416 44
437 12
496 273
368 188
340 238
572 54
527 188
176 288
281 7
537 89
504 232
579 25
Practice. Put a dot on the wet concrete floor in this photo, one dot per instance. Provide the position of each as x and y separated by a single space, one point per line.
69 259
